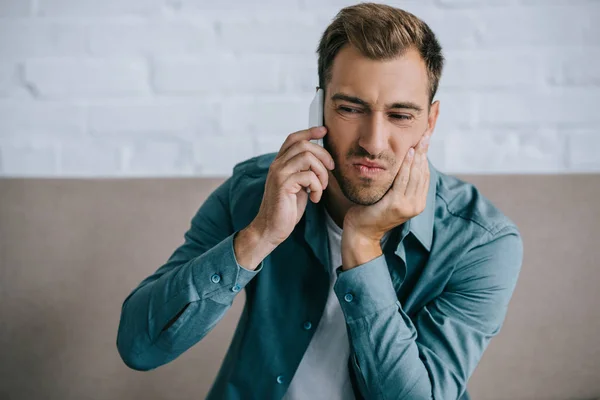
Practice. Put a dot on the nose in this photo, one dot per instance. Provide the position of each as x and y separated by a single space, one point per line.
374 135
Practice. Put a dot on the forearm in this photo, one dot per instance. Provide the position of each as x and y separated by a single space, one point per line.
454 328
382 337
149 334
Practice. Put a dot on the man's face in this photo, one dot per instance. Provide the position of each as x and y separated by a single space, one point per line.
375 111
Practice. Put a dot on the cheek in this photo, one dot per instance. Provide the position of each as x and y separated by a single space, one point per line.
340 136
406 140
343 124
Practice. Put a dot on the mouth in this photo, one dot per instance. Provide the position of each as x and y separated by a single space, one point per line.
367 170
370 164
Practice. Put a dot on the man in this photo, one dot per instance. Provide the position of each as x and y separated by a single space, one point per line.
388 284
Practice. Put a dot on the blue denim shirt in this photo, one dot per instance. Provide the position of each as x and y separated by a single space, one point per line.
419 316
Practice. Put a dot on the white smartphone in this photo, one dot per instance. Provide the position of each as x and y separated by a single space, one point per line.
315 116
315 113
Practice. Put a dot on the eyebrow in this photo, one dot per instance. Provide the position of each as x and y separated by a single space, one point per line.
356 100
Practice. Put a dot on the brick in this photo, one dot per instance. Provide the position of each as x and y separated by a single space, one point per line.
574 67
10 82
550 25
217 75
27 160
215 156
555 2
472 3
38 38
336 5
15 8
66 78
151 37
234 5
591 33
559 106
159 158
142 118
505 151
491 69
89 157
583 150
269 143
299 74
456 110
269 34
454 28
95 8
277 115
26 117
437 151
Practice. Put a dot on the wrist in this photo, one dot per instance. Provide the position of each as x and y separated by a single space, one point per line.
259 231
358 249
251 247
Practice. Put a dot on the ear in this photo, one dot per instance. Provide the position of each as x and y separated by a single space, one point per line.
432 118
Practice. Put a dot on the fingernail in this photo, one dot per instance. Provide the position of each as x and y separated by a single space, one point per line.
411 152
425 141
321 129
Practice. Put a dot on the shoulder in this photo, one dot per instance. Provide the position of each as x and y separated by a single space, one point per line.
482 244
257 166
461 206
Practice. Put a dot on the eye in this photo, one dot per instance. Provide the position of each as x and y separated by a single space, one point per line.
349 110
401 117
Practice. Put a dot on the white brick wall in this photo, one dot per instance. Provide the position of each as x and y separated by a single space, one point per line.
68 79
93 88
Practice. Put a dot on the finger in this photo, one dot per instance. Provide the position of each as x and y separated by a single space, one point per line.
316 132
425 186
303 162
300 147
424 173
404 172
415 175
423 144
305 179
420 162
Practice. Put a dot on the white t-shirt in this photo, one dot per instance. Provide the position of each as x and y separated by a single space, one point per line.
323 370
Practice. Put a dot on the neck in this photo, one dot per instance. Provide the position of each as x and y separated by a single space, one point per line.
334 201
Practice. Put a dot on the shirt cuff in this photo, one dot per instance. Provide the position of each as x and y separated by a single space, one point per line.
220 274
365 289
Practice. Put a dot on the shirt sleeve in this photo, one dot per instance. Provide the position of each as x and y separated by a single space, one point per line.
176 306
433 355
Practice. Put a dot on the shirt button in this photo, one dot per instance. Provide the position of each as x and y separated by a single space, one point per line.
348 297
280 379
236 288
307 325
216 278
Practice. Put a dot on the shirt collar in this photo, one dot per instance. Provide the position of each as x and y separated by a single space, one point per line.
421 226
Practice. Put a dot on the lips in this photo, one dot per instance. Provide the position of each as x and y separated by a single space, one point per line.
369 164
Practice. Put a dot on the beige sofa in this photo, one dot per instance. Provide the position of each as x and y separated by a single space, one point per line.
71 251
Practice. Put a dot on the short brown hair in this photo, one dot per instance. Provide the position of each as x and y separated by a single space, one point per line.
380 32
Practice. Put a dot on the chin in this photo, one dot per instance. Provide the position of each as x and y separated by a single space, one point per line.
359 193
364 199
